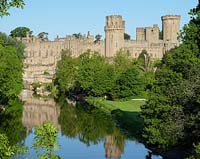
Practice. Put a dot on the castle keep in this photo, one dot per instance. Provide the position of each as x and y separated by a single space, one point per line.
42 55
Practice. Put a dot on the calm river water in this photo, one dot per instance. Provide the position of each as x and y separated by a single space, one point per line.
83 133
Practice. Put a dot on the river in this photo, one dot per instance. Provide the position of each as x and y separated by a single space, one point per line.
84 133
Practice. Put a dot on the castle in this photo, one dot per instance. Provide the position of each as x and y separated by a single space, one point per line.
42 55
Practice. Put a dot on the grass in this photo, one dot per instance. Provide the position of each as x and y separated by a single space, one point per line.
126 113
130 106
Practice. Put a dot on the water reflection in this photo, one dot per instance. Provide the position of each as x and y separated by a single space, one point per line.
91 127
112 149
83 131
37 111
11 124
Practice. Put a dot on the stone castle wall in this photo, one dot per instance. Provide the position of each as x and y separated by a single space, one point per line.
42 56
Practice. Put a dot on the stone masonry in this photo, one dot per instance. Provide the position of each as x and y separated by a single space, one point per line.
42 55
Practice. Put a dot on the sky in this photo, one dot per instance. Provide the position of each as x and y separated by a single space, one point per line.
65 17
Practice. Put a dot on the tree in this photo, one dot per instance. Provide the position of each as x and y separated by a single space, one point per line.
66 72
145 62
5 5
122 61
129 84
163 119
9 41
46 138
171 116
78 35
94 74
6 151
43 36
20 32
127 36
97 38
10 74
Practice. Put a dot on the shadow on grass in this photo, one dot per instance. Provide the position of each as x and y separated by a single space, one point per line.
129 121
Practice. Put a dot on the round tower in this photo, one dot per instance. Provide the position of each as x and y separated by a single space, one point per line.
114 33
171 28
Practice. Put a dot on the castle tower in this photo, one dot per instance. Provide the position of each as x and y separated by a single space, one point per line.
140 34
114 33
171 28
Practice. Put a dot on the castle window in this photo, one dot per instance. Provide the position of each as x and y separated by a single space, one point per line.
135 54
116 45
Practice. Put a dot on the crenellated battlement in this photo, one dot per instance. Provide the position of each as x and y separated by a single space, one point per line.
114 22
166 17
42 56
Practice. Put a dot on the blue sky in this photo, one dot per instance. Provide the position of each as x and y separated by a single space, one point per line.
64 17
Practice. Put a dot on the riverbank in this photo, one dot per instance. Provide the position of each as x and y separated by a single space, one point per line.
126 113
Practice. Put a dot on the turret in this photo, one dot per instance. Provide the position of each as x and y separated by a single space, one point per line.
171 28
114 33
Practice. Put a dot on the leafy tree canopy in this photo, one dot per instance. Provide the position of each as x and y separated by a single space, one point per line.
171 116
20 32
43 36
5 5
97 38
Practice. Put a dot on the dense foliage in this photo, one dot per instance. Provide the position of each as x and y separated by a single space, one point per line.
46 138
92 75
5 5
172 113
11 53
20 32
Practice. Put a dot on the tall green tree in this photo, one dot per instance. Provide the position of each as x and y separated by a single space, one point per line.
9 41
5 5
129 84
171 115
122 61
20 32
10 74
94 74
66 72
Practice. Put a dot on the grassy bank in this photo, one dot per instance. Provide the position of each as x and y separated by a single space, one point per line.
126 113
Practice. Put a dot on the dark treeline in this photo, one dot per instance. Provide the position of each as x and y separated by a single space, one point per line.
172 113
92 75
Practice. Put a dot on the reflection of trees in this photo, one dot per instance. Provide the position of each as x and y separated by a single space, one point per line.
11 123
89 126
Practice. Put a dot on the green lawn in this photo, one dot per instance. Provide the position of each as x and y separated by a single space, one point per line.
130 106
127 113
